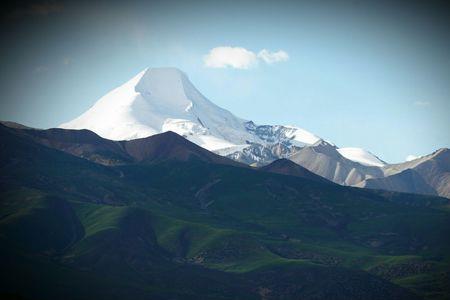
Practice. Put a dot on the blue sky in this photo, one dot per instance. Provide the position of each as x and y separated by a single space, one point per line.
368 74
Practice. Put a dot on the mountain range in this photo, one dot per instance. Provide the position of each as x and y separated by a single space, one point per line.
157 193
163 99
160 217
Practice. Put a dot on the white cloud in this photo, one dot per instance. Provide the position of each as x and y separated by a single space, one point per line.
241 58
235 57
421 103
273 57
411 157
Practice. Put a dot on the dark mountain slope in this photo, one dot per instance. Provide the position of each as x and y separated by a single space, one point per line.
88 145
288 167
171 146
38 223
190 229
82 143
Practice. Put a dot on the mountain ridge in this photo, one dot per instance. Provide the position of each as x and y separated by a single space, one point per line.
288 167
158 100
430 174
87 144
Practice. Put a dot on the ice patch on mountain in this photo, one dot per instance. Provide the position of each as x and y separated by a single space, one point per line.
361 156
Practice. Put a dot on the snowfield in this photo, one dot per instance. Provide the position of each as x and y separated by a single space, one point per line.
362 156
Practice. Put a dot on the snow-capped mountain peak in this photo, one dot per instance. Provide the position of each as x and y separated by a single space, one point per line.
158 100
163 99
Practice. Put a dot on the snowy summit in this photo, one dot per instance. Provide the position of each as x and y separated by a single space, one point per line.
159 100
163 99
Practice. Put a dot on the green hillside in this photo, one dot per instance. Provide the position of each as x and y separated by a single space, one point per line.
73 229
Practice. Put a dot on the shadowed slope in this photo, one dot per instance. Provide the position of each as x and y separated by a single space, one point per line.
171 146
86 144
288 167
